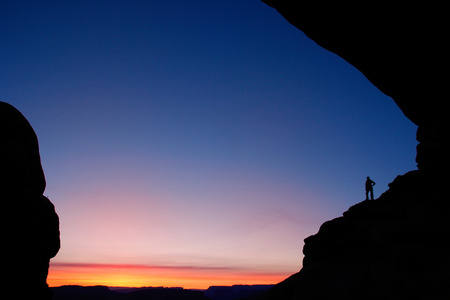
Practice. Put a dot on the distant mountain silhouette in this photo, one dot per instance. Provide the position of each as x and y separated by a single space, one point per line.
236 292
165 293
395 247
29 223
75 292
104 293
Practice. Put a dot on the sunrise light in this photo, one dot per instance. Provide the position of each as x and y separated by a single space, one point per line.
140 276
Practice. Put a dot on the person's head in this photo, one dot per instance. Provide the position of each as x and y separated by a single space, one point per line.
20 163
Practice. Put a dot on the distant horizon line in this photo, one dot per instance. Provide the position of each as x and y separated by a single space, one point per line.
161 287
150 276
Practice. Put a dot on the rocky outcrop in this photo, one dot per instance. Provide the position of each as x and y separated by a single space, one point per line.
401 48
29 223
394 247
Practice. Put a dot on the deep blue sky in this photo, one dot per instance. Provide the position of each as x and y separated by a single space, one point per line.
216 123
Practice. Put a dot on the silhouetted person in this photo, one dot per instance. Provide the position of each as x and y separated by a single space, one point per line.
369 188
29 223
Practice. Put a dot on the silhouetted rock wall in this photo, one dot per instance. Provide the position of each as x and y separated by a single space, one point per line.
29 223
394 247
401 48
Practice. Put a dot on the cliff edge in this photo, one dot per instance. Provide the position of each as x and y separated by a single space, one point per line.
394 247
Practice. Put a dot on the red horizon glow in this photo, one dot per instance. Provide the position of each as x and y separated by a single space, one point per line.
131 275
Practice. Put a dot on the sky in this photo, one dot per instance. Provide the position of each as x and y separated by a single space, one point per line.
192 143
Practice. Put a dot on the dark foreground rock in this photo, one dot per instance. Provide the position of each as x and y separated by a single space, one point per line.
400 47
29 224
395 247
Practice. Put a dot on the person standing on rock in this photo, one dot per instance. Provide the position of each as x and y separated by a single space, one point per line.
369 188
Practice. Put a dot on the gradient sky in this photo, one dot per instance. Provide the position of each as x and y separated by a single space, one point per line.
192 143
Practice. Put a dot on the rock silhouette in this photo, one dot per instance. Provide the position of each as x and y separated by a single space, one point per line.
400 48
394 247
29 223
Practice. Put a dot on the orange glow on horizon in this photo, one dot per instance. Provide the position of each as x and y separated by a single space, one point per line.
145 276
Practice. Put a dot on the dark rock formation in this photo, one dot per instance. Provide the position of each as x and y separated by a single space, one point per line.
401 48
394 247
29 223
